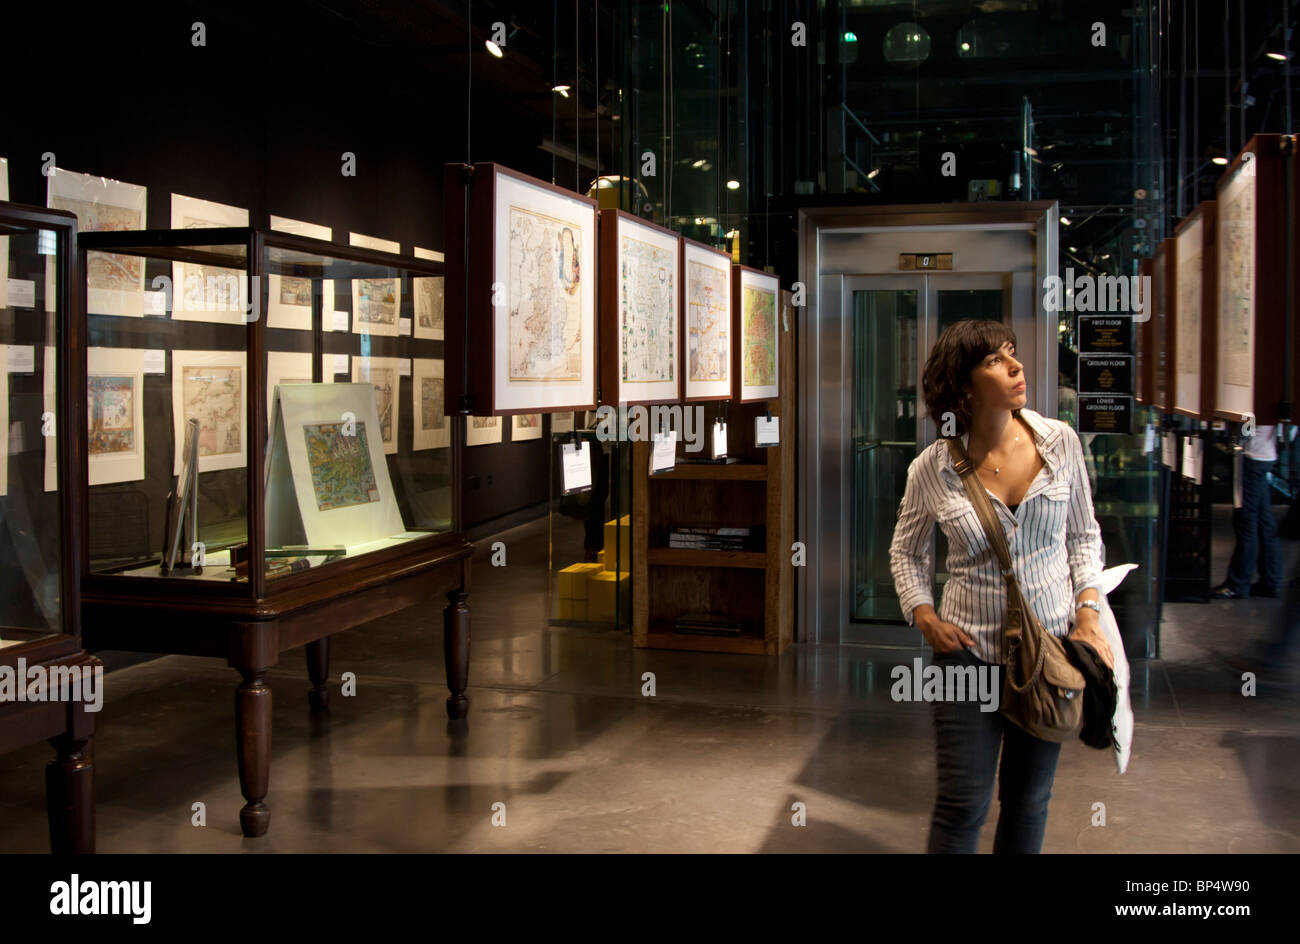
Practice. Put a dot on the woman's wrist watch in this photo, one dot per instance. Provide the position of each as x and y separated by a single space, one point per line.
1090 604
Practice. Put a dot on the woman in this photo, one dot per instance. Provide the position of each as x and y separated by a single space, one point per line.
1033 469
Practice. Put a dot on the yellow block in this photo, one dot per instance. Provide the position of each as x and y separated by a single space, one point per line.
618 541
604 590
600 558
573 580
573 609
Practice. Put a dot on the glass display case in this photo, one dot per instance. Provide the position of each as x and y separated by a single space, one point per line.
49 686
269 456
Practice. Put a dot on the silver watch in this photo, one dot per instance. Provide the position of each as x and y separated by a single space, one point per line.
1090 604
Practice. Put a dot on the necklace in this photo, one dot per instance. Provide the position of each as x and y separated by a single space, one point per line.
997 469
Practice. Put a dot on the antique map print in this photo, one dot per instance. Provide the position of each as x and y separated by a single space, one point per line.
545 298
217 294
376 302
213 395
1189 318
1236 280
109 271
295 291
339 460
647 296
759 337
114 283
482 430
431 394
384 380
429 305
707 323
110 415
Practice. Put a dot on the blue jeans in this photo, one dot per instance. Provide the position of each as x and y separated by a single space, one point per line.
1255 527
968 741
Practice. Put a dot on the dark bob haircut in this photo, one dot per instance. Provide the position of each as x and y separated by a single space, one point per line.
960 349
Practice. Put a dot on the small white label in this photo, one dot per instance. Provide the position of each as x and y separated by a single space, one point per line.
155 361
404 326
340 363
22 293
719 440
767 431
1168 450
1149 439
155 304
21 358
664 454
340 321
575 466
404 367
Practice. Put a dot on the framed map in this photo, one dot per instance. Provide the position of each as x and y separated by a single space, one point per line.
482 430
525 426
209 386
706 307
284 367
289 298
376 302
756 357
640 310
383 373
429 299
114 282
1237 286
202 292
1160 269
428 399
1189 313
532 341
115 415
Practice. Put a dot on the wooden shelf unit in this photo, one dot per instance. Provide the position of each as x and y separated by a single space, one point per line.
754 586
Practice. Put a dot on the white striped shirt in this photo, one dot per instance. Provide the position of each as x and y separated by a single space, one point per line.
1053 535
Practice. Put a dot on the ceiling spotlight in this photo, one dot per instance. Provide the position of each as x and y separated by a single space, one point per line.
562 89
699 163
733 184
1072 248
1221 161
873 173
1065 221
493 48
1105 255
965 47
1278 56
1030 151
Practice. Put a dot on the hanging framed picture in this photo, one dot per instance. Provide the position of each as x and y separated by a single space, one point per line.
203 292
289 298
114 415
755 361
482 430
209 386
1161 268
530 296
432 427
525 426
640 303
1250 375
114 283
376 303
429 295
384 374
1191 329
706 331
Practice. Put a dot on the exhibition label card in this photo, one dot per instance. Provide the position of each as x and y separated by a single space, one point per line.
663 456
1149 439
575 466
154 361
719 440
340 321
767 431
1168 451
340 363
21 358
404 367
404 326
1192 453
22 293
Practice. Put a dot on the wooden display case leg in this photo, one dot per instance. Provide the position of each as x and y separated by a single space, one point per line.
318 669
455 619
70 796
253 729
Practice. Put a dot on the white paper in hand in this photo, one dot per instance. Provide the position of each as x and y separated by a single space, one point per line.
575 466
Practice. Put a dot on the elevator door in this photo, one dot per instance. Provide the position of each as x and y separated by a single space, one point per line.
894 321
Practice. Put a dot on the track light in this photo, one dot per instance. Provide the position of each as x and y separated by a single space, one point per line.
562 89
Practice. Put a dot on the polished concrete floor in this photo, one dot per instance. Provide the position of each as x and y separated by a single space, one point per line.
560 733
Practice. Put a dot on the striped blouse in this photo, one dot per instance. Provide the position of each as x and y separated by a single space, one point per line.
1053 535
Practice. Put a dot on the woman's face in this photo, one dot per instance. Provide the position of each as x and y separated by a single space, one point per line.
999 382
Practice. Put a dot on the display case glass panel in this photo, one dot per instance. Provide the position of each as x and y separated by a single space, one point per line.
265 446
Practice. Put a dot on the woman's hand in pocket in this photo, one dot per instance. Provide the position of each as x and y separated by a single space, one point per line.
942 636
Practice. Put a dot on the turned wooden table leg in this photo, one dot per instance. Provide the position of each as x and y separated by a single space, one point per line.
253 729
455 640
70 796
318 669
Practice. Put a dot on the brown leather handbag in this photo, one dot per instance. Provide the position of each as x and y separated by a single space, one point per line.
1042 691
